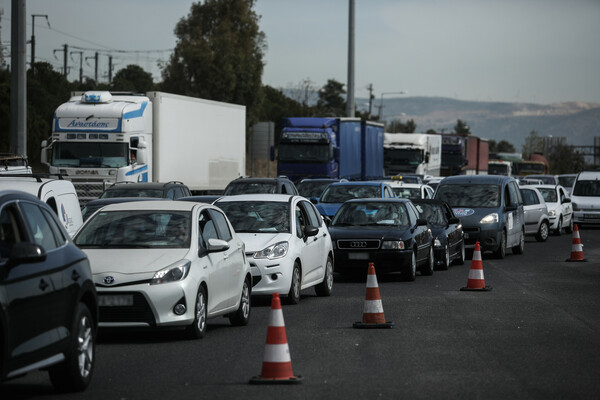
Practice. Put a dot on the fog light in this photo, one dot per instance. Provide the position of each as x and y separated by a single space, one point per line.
179 309
274 277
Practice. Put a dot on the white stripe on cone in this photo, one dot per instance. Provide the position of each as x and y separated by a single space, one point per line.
373 307
277 353
475 274
276 317
372 281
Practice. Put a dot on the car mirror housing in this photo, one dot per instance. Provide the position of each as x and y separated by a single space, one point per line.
421 222
454 220
25 252
216 245
511 207
310 231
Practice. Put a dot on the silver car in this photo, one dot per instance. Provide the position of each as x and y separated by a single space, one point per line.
537 222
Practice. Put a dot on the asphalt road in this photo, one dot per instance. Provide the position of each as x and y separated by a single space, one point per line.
535 335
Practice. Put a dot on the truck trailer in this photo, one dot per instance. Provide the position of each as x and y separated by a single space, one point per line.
464 155
330 148
100 137
412 153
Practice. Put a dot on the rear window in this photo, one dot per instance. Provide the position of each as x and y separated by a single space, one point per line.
474 196
587 188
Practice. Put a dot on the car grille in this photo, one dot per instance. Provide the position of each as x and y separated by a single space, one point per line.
358 244
470 230
138 312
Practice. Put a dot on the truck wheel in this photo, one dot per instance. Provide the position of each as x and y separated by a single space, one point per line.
242 315
324 288
75 373
501 252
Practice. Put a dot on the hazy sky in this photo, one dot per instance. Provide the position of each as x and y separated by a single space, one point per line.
541 51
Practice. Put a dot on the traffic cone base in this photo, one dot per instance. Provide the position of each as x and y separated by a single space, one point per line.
475 282
373 317
576 247
277 364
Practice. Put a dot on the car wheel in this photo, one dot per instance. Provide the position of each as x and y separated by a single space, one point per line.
197 329
427 269
293 296
75 373
242 315
446 260
569 228
520 248
558 229
410 271
501 252
461 259
543 232
324 288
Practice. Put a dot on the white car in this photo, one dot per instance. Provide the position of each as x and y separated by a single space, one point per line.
287 242
166 264
560 209
535 210
411 190
586 198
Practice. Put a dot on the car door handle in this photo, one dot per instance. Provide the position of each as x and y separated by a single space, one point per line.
43 285
75 275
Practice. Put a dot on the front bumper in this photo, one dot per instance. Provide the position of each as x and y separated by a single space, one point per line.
587 217
488 236
271 276
348 261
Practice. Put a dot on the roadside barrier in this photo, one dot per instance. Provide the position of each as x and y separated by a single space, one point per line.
576 246
277 363
475 282
373 316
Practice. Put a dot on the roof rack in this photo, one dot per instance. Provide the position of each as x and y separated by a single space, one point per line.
38 176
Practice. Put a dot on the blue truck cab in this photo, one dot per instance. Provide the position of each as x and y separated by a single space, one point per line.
330 148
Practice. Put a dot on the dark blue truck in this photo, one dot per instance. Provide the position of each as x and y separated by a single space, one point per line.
330 148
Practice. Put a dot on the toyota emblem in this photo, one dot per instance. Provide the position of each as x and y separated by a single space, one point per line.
109 280
358 244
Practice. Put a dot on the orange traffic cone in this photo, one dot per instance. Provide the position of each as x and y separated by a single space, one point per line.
576 246
277 364
476 281
373 309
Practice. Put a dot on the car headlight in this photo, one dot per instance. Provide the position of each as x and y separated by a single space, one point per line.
437 243
392 245
276 250
489 219
552 213
174 272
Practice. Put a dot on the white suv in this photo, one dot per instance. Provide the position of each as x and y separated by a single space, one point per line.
586 198
287 243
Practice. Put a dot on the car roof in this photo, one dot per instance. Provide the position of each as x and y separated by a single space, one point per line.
259 197
406 185
478 179
358 183
588 175
167 205
145 185
7 195
378 200
546 186
244 179
114 200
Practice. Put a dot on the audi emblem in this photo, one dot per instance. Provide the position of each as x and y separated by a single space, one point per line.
109 280
356 245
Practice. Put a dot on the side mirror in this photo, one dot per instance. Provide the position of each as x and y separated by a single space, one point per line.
310 230
314 200
25 252
421 222
44 153
142 155
566 200
511 207
454 220
216 245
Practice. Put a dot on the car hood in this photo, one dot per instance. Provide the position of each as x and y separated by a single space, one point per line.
553 206
328 209
258 241
369 232
132 261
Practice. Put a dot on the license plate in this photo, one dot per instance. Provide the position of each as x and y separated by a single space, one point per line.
358 256
591 216
117 300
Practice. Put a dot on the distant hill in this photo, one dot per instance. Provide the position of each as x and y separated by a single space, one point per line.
579 122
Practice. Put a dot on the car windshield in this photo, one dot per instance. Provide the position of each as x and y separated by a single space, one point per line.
250 187
567 181
341 193
310 189
549 195
371 213
432 213
257 216
587 188
469 195
132 192
136 229
407 193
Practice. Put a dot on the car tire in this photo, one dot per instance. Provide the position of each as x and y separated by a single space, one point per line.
543 232
569 228
463 256
501 252
520 248
410 271
75 372
197 329
241 317
293 296
427 269
446 261
324 288
558 229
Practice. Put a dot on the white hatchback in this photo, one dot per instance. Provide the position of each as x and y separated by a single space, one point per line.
287 242
166 264
560 209
586 198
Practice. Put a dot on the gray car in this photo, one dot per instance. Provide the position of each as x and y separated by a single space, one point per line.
537 222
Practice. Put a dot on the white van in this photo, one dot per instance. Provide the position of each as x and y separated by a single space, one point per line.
59 194
585 198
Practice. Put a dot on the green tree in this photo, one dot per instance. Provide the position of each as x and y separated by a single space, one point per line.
533 144
503 146
219 55
331 103
397 126
564 159
133 78
462 128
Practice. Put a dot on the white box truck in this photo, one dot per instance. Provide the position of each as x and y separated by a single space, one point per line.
101 137
412 153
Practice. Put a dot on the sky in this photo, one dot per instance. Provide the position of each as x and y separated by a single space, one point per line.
529 51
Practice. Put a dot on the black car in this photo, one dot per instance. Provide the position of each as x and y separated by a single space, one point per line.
448 242
312 188
48 302
385 231
94 205
163 190
245 185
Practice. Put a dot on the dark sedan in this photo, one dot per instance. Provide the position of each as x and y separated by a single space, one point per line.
448 243
387 232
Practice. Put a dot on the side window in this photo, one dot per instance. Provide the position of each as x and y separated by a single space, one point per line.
529 197
311 213
562 195
39 227
283 188
221 225
170 194
58 234
207 227
301 220
10 230
412 214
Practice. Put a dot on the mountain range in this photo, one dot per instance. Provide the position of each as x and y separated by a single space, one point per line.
579 122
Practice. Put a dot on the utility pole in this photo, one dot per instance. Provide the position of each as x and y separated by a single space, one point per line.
350 98
95 67
33 36
110 68
80 64
371 97
18 79
65 50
